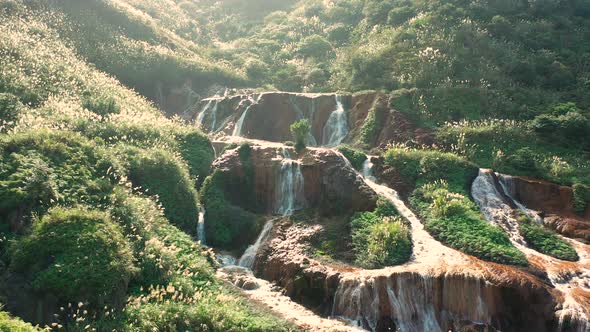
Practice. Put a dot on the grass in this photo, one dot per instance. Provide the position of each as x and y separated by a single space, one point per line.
546 241
418 167
455 220
380 238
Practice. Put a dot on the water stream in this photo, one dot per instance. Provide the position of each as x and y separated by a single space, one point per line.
238 127
336 127
494 194
290 187
201 227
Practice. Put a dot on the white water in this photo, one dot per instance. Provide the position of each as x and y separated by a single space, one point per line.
565 276
336 127
238 127
507 183
290 186
201 227
410 299
368 170
249 256
210 107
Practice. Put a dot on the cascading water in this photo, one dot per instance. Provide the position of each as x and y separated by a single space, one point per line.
290 186
238 127
410 297
201 227
491 192
508 186
336 127
211 107
249 256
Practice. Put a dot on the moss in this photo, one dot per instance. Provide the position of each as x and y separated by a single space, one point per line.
546 241
372 125
76 255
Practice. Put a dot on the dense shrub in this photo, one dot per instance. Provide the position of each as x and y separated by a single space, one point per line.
565 123
356 157
381 238
545 241
418 167
10 108
103 106
40 168
581 197
76 255
380 241
160 173
9 324
227 226
196 149
300 131
454 220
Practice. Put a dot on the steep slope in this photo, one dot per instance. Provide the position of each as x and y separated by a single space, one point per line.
98 193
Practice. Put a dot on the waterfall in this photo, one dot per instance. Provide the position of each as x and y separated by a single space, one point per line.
336 127
201 227
238 127
368 170
494 205
211 107
290 187
201 116
247 259
509 188
492 193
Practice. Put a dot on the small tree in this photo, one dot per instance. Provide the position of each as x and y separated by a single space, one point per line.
300 130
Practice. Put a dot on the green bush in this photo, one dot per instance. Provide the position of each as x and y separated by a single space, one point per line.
581 198
457 222
418 167
546 241
103 106
356 157
10 108
565 124
9 324
380 241
196 150
76 255
227 226
40 168
300 131
160 173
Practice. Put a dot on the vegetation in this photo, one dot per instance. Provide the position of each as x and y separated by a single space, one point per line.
545 241
159 173
300 131
356 157
381 238
455 220
418 167
76 254
8 323
226 224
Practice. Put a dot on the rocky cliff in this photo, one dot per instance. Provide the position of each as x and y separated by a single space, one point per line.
267 116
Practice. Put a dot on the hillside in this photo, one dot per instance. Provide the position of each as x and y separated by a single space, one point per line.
265 165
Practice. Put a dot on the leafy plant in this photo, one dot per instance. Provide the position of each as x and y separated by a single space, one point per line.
300 131
545 241
356 157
